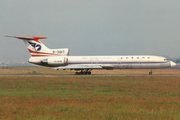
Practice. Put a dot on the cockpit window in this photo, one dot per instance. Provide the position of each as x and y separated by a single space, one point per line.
166 59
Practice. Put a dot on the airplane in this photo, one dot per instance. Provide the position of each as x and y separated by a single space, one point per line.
60 59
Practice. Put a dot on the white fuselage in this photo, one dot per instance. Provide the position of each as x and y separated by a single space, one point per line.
106 62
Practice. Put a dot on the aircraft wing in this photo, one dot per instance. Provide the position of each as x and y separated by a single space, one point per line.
79 67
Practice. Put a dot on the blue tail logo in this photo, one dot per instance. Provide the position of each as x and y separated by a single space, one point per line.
37 47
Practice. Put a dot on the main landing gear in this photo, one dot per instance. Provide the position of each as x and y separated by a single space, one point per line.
150 73
84 72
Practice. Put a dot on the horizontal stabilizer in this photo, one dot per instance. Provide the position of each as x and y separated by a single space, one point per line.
27 37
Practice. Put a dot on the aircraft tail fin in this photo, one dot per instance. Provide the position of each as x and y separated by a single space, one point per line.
38 49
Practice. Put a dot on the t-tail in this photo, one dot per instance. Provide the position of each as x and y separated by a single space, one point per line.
38 49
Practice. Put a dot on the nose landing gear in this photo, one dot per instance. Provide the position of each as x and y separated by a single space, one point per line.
150 73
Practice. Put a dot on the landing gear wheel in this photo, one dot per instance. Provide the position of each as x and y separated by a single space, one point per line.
89 73
150 73
84 72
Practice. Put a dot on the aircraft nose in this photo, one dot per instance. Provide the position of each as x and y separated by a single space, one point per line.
173 64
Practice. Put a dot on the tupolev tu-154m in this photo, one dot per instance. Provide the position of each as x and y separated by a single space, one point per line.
60 59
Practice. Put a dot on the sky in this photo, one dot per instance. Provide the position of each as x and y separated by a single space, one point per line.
91 27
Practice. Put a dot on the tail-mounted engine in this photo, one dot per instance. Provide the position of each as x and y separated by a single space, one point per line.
55 61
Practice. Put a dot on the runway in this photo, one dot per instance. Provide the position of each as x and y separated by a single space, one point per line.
178 75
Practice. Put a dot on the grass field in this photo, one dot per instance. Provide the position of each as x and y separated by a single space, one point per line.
90 97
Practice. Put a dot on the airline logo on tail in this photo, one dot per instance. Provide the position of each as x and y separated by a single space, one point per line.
37 47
